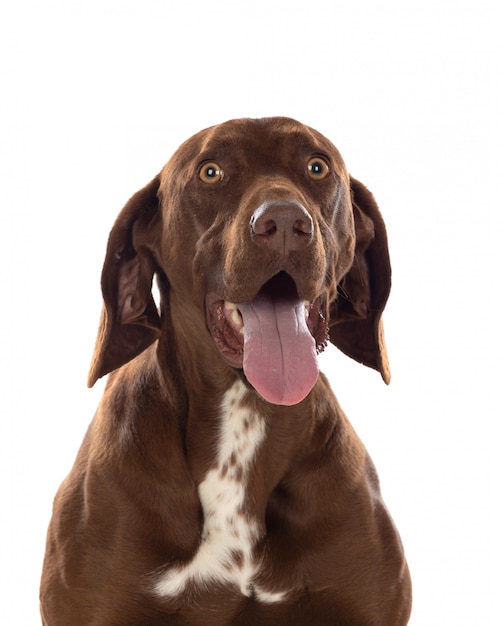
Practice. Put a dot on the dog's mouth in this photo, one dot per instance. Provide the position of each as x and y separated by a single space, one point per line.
275 338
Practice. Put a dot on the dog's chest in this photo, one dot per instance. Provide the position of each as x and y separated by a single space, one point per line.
230 532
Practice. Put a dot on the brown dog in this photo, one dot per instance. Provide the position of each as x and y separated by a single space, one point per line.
220 482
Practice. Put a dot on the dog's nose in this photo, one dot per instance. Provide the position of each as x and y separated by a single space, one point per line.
283 226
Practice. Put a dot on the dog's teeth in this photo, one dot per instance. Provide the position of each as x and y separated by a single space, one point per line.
233 313
236 317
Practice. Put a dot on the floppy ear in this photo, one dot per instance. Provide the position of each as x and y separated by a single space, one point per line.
355 317
129 320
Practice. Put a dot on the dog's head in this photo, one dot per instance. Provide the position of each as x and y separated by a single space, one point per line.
257 231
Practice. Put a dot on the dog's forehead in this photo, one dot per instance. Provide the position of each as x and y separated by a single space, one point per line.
249 142
255 136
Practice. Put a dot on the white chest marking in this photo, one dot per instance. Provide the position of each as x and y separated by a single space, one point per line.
225 554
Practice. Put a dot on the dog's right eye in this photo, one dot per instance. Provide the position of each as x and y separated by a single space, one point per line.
317 168
211 173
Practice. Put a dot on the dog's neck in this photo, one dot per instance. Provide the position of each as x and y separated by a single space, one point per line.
243 469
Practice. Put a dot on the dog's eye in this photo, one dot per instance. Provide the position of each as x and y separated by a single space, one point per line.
211 173
317 168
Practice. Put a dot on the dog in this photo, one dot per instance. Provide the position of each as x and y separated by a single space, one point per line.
220 483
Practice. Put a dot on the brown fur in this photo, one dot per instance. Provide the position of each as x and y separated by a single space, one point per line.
130 507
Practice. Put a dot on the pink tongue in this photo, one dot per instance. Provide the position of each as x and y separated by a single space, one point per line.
279 351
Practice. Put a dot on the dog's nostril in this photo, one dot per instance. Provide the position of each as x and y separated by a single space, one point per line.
266 227
303 227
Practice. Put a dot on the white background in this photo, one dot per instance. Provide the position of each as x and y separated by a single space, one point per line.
96 95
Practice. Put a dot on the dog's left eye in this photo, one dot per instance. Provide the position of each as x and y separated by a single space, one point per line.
211 173
317 168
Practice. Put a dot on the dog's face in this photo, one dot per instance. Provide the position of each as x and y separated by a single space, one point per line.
253 223
224 185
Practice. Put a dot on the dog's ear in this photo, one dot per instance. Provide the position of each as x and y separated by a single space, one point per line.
129 320
355 317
